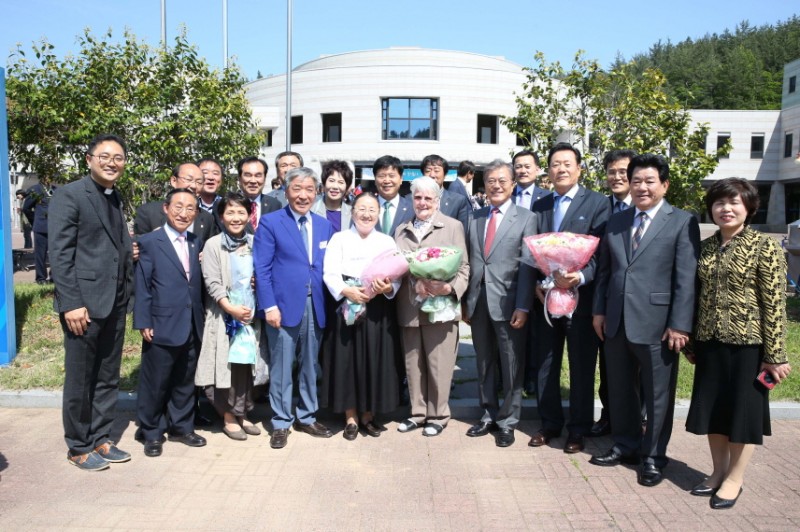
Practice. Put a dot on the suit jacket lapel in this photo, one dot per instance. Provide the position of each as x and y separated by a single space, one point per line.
481 225
169 250
194 255
656 225
293 231
505 225
100 208
573 208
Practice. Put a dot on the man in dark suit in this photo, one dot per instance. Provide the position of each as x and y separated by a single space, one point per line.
498 300
151 216
526 170
35 208
464 176
288 253
615 164
395 209
575 209
93 274
643 310
212 180
450 204
252 177
168 312
284 161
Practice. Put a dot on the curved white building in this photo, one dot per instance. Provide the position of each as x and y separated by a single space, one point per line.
406 102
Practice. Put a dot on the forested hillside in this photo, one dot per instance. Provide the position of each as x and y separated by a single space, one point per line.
742 69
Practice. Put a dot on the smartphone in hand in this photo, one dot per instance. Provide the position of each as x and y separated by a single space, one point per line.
766 380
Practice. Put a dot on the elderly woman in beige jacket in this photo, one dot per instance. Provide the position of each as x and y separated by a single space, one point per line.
430 348
227 385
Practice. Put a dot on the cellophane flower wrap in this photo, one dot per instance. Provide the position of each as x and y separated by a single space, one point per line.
564 252
242 348
437 264
390 264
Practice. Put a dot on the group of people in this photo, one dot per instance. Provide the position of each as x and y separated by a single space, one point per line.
231 292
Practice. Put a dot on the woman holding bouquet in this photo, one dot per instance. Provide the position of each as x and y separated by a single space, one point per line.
430 347
740 331
359 375
227 271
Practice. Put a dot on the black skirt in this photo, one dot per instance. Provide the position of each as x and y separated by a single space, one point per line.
726 399
359 361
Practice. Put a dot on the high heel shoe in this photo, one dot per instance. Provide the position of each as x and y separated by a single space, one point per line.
718 503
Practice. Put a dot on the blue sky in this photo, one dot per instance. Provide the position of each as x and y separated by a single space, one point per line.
514 29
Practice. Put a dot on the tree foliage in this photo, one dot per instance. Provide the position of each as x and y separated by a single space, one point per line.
168 105
742 69
599 111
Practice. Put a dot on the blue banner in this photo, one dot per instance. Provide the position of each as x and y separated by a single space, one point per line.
8 333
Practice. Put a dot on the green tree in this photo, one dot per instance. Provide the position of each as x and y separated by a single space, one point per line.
168 105
601 110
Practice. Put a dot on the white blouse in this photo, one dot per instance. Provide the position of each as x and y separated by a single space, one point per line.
348 254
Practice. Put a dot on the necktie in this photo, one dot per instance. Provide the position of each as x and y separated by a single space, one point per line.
562 204
619 206
637 235
304 234
386 223
490 231
183 254
254 215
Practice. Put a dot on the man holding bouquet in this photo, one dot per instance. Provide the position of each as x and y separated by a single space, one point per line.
575 209
499 296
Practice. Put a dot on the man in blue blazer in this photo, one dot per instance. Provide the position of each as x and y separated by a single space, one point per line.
288 254
644 309
575 209
168 312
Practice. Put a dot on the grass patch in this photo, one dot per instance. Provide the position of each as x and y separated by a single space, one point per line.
40 345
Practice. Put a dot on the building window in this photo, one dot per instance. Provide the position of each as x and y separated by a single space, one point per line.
722 140
297 130
410 118
268 139
788 142
487 129
792 84
757 146
332 127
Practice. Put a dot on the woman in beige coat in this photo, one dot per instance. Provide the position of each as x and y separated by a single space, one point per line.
227 385
430 348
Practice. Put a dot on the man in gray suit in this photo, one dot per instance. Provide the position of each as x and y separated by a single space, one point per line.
91 260
499 297
643 309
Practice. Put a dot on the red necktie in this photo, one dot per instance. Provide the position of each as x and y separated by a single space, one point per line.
254 215
490 231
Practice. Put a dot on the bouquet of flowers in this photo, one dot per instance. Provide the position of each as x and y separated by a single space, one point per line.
566 253
438 264
389 264
242 349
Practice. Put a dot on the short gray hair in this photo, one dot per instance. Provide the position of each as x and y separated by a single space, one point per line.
426 184
301 173
496 165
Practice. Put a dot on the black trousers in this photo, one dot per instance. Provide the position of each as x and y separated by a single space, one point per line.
166 389
582 343
40 255
91 380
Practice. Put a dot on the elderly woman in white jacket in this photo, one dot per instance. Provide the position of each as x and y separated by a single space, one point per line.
228 258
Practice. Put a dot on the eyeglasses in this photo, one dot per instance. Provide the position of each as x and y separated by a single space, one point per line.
493 182
363 210
177 209
105 158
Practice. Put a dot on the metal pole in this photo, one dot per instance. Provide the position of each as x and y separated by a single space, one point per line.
225 32
288 75
164 24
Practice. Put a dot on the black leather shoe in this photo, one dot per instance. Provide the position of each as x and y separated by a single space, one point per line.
574 444
650 475
191 439
316 429
613 457
543 437
482 428
371 429
153 448
350 432
504 437
701 490
601 428
718 503
279 438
